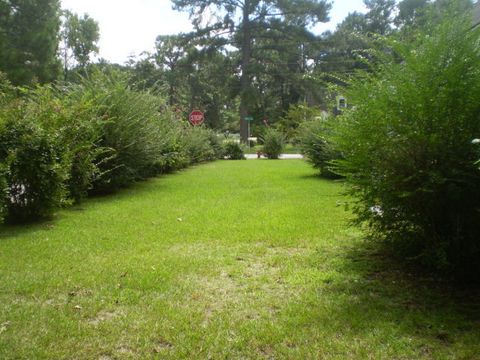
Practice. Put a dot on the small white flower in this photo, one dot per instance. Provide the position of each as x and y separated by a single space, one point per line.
475 141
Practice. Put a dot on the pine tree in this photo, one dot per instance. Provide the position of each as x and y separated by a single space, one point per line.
29 36
240 23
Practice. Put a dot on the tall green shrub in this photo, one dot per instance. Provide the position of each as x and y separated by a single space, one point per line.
197 145
314 143
273 143
69 113
408 146
6 95
233 150
173 155
216 144
32 165
57 143
3 191
131 130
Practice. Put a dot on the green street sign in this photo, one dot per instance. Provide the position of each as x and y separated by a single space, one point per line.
248 118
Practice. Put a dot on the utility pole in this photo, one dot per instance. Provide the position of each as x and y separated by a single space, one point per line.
245 78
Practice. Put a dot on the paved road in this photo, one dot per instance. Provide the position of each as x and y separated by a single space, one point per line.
283 156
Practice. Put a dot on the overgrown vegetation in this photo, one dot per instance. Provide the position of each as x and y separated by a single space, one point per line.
315 145
273 143
33 166
59 143
408 146
234 150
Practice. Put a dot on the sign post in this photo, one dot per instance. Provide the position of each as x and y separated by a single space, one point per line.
248 119
196 117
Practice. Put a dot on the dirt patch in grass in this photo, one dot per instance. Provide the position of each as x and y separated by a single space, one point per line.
125 351
105 316
162 345
254 278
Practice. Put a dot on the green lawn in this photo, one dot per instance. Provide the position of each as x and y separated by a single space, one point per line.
228 260
289 149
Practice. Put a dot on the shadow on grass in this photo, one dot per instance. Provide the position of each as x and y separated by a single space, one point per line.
374 263
138 188
142 187
377 296
311 176
318 176
9 231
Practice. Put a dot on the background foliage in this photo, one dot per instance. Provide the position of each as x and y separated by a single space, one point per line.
29 40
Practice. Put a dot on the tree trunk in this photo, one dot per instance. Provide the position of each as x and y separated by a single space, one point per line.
245 78
171 86
65 62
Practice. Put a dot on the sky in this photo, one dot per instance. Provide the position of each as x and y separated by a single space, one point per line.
129 27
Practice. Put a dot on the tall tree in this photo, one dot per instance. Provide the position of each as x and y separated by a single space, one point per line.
79 36
170 58
240 22
343 50
411 13
144 72
29 40
342 46
380 15
195 76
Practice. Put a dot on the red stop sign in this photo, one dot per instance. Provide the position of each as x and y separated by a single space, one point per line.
196 117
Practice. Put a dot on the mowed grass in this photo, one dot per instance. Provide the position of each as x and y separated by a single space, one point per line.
288 149
228 260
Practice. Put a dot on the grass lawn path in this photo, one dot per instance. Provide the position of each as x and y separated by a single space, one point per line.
227 260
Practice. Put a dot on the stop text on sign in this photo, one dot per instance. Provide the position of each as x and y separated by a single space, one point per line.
196 117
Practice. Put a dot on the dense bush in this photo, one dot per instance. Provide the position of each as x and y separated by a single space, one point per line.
72 117
313 140
32 166
233 151
46 141
6 95
173 156
58 143
198 145
273 143
408 147
216 143
130 130
140 136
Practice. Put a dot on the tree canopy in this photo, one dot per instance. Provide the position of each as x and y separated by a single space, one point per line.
29 40
248 25
80 36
